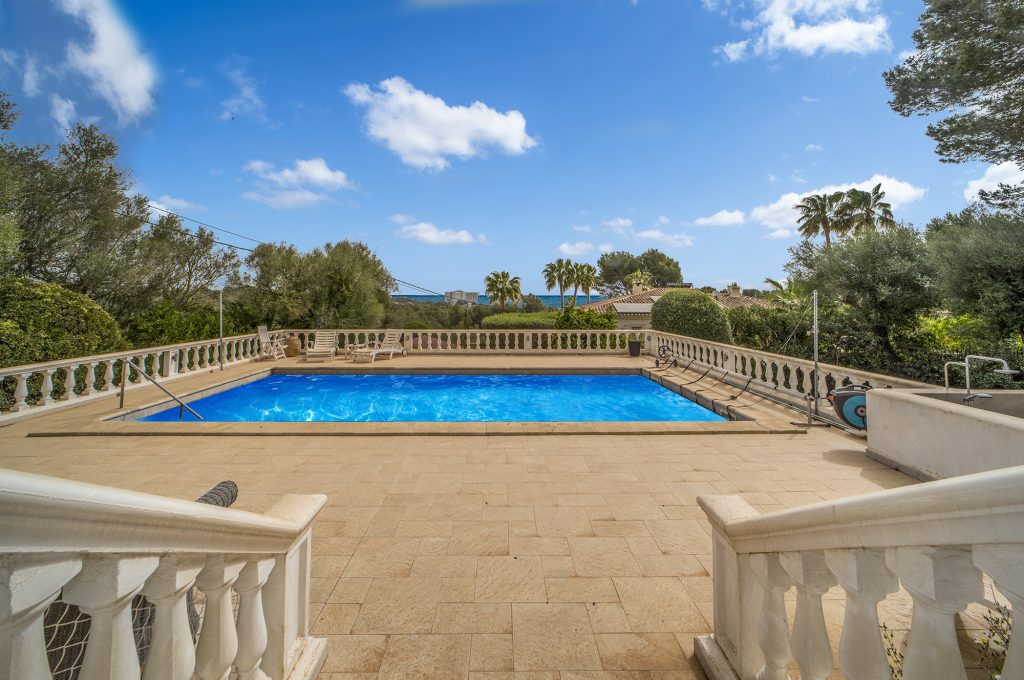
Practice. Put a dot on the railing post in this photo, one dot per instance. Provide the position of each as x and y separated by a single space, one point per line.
27 587
104 590
866 581
941 581
172 653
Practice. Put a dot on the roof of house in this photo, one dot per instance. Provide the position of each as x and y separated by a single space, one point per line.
639 304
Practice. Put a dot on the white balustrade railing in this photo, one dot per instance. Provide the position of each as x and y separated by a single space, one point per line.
935 539
98 547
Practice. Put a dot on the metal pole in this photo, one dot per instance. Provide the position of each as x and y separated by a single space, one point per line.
124 379
814 384
221 329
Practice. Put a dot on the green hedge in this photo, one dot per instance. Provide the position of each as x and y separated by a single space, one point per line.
573 317
691 313
520 320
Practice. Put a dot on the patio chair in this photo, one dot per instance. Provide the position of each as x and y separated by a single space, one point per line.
390 344
324 347
269 349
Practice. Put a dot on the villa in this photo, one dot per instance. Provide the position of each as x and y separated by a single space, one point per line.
633 311
749 542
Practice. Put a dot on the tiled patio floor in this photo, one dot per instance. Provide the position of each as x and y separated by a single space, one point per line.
568 556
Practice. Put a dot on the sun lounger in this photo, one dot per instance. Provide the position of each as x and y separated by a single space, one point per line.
269 349
324 347
390 345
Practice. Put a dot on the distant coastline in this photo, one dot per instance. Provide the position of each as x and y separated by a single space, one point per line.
548 300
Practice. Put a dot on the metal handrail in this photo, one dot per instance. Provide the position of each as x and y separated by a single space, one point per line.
124 380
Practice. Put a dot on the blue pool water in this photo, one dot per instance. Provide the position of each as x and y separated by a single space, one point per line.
445 398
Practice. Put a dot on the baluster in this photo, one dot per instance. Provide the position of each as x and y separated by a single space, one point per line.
252 624
1002 563
108 375
27 587
941 581
69 384
89 378
104 590
20 392
218 639
773 629
172 654
867 581
45 392
810 643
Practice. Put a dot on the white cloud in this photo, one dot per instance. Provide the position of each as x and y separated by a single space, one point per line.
809 100
399 218
584 228
663 220
425 232
8 58
117 69
605 247
313 172
679 240
175 204
905 54
1004 173
424 131
780 214
575 249
780 233
63 112
618 224
722 218
246 100
814 147
30 77
292 198
808 27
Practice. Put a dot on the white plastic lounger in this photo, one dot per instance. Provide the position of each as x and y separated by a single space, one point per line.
324 347
388 345
269 349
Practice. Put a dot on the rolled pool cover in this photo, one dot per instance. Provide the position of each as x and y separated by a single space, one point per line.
851 405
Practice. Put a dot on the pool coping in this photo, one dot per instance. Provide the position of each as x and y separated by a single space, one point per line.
744 418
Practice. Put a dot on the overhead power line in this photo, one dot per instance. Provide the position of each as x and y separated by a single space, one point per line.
204 224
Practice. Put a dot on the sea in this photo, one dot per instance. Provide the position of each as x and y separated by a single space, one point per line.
548 300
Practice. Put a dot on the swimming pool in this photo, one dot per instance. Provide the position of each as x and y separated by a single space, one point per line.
444 398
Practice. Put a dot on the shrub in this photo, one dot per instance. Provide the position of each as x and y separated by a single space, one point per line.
45 322
162 324
532 303
575 318
770 329
517 320
691 313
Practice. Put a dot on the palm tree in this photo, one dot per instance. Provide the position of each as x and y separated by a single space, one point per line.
639 276
868 211
558 274
502 288
585 278
825 214
793 294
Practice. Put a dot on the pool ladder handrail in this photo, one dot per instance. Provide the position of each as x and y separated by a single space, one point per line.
182 406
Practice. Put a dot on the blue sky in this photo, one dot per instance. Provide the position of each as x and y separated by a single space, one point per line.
457 137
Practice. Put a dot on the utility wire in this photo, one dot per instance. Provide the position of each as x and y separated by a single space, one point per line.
204 224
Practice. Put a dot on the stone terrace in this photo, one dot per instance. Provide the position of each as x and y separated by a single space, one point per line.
571 556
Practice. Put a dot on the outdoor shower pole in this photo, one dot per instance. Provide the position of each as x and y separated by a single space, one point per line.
814 383
221 357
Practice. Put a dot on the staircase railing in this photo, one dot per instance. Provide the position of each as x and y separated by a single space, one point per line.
98 547
935 539
182 406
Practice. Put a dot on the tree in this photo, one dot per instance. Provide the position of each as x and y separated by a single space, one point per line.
968 67
792 294
502 288
532 303
585 278
613 268
691 313
978 258
824 214
867 210
639 277
184 264
558 274
881 279
662 268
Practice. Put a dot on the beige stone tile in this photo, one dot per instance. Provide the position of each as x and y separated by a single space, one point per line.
507 514
473 617
469 508
553 637
605 675
320 587
398 605
680 536
491 653
423 529
658 605
522 529
699 588
510 579
558 567
455 566
355 653
479 538
433 546
643 545
328 565
578 589
440 657
670 565
350 590
632 506
335 619
338 545
580 500
538 546
383 557
608 617
603 557
640 651
613 527
458 590
555 522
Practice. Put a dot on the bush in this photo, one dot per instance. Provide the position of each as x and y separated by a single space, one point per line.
517 320
572 317
770 329
45 322
532 303
162 324
691 313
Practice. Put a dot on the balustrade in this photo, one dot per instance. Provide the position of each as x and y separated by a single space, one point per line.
936 540
98 548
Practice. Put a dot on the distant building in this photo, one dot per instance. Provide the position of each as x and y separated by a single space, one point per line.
633 311
456 297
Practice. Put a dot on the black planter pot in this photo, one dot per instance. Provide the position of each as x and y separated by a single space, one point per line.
634 348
